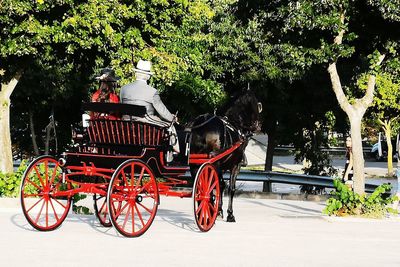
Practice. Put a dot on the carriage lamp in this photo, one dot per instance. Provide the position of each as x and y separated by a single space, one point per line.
62 162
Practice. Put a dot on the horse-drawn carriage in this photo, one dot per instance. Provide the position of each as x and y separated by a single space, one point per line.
123 163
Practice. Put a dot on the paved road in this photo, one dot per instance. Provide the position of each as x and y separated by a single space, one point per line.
267 233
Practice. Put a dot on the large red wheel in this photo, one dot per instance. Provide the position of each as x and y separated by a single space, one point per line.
132 198
206 197
43 200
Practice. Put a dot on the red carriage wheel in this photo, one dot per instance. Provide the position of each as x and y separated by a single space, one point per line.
44 200
206 197
132 198
101 209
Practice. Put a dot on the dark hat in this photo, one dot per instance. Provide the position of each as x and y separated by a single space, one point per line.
107 75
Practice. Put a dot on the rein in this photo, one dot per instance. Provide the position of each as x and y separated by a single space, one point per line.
201 124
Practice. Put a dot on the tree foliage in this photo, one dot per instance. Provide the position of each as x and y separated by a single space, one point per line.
60 45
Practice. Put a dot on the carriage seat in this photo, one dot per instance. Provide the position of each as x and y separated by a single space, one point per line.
118 109
103 131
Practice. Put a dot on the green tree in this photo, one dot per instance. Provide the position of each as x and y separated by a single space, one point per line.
81 37
248 54
355 35
385 110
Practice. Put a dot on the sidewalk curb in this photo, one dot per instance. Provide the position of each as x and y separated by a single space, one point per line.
350 219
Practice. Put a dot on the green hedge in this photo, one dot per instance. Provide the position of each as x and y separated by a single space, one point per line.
10 182
345 202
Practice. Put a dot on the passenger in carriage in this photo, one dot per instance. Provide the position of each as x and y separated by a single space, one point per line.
142 94
106 92
108 83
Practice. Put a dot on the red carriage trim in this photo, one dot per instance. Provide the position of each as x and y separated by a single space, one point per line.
202 158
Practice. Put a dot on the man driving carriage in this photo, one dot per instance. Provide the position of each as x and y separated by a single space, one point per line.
142 94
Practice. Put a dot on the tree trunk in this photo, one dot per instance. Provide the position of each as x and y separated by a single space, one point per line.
47 141
6 158
357 149
271 132
387 128
270 146
33 133
355 113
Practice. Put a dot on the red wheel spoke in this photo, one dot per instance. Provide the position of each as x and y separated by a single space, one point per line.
147 209
208 212
124 178
47 213
212 207
32 195
35 185
46 164
121 210
144 187
139 214
54 210
37 202
39 176
198 197
54 174
102 207
140 178
126 217
203 216
211 178
200 207
40 212
133 218
56 200
133 174
200 187
204 213
211 188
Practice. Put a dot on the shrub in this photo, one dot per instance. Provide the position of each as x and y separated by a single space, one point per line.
346 202
10 182
78 209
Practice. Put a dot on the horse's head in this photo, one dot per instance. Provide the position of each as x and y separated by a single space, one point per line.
244 113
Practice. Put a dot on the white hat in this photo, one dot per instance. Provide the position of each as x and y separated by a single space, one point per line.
144 66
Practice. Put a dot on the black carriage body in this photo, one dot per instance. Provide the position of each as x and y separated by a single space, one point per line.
109 141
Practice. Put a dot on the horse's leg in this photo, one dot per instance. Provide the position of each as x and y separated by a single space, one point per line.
231 191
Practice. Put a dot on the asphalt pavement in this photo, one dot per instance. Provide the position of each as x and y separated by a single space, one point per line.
267 233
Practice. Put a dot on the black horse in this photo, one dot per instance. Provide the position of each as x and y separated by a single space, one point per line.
212 134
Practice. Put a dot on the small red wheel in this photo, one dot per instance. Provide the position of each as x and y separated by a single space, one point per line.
206 197
44 202
132 198
101 209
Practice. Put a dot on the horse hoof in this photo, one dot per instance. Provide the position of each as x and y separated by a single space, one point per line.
230 218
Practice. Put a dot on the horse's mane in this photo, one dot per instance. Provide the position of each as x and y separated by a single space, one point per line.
238 107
